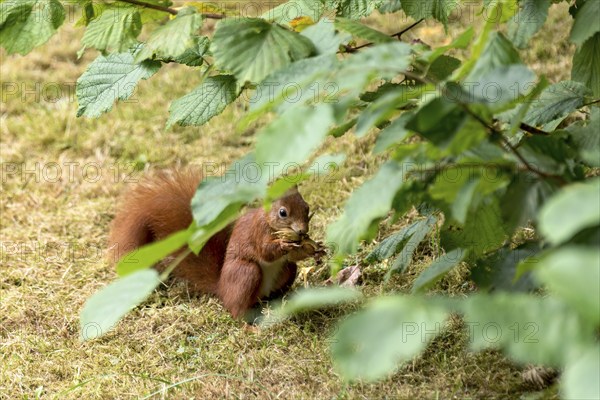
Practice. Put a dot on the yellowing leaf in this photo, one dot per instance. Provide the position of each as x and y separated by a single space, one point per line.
301 23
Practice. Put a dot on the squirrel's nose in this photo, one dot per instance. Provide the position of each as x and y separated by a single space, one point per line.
301 230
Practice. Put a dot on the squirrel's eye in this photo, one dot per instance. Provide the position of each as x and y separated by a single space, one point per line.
282 212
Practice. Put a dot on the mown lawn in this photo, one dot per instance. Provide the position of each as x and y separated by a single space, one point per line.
61 178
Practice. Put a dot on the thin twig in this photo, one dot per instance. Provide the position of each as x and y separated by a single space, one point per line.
530 167
408 28
492 130
213 16
350 49
509 145
437 169
591 102
532 129
169 10
152 6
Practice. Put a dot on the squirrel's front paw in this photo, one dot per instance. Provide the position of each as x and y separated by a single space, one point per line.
287 247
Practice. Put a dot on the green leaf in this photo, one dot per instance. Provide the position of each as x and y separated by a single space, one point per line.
310 299
548 153
523 198
291 9
282 185
252 48
482 232
461 42
529 20
556 102
244 181
369 203
321 166
149 15
572 273
380 110
202 234
324 79
173 38
580 377
393 243
204 102
340 130
383 61
326 164
437 269
463 200
295 84
586 64
390 6
116 29
469 136
193 56
107 306
586 22
438 9
529 328
356 9
391 330
587 139
89 11
517 115
290 139
438 121
316 298
148 255
498 52
502 85
572 209
462 186
442 67
405 257
324 37
362 31
110 78
394 133
28 24
498 270
410 91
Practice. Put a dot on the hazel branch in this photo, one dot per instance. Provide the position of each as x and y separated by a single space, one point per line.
350 49
169 10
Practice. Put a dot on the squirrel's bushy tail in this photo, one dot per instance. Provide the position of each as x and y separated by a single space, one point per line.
157 207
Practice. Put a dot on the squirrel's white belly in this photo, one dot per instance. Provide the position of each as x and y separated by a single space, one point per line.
270 273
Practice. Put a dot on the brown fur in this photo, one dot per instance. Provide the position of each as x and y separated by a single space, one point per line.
231 263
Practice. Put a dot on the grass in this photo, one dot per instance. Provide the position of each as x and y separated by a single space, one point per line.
60 179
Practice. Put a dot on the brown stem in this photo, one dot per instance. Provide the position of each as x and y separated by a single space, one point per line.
213 16
530 167
169 10
532 129
591 102
350 49
408 28
152 6
493 131
512 148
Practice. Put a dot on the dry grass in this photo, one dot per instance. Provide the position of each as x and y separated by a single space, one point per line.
53 226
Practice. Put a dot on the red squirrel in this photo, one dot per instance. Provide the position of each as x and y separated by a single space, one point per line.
241 264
